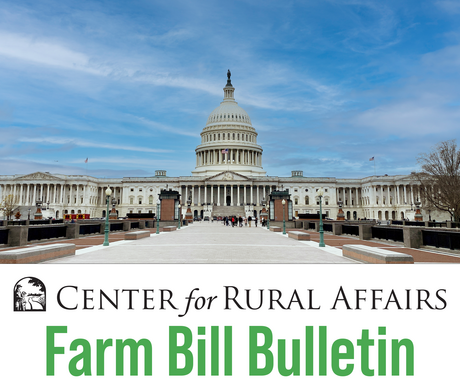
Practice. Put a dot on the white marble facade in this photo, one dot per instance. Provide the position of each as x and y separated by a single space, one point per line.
228 172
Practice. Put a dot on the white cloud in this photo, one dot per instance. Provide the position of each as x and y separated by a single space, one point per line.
90 144
29 48
450 6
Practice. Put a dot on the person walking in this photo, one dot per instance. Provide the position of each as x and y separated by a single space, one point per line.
249 220
255 221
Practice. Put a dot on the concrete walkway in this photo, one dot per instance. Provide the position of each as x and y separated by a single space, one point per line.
212 243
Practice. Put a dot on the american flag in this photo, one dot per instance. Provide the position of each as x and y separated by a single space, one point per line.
224 151
86 161
371 159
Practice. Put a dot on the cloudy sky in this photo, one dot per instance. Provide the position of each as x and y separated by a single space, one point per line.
129 85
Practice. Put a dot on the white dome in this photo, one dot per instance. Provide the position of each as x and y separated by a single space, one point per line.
228 141
229 111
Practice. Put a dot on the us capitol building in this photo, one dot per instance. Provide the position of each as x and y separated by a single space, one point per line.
228 179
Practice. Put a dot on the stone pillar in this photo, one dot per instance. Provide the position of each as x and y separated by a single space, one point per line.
231 196
412 237
72 230
337 228
218 195
365 232
17 235
252 195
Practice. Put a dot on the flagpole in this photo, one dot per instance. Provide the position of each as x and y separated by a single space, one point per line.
375 173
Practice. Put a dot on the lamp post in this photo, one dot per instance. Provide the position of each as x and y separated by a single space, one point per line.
178 206
268 217
108 193
158 216
284 218
321 231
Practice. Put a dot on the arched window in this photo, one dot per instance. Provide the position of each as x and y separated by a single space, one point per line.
307 200
151 200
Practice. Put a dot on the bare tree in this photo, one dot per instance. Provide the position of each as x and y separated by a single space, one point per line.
439 178
7 206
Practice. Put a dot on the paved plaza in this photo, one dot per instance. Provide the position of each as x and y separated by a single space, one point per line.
212 243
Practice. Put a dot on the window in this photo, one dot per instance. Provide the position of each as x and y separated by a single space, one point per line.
140 190
131 200
296 201
307 200
131 189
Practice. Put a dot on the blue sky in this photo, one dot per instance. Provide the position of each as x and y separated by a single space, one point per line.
129 85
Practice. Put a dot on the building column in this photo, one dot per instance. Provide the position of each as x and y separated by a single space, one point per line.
14 193
238 195
252 194
34 195
231 195
218 195
20 195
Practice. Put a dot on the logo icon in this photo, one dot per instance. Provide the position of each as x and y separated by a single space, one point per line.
29 295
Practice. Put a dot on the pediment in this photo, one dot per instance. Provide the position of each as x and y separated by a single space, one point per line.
228 176
38 175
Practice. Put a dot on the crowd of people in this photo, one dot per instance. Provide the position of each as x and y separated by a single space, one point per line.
239 221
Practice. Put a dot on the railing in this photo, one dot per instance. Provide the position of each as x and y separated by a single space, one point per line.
397 222
413 223
441 239
134 225
437 224
16 222
86 229
327 227
116 226
350 230
388 233
36 222
3 236
57 221
46 232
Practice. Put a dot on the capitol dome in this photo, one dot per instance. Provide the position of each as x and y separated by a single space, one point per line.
229 141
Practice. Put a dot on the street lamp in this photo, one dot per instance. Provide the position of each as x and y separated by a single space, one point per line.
158 215
108 193
284 218
178 206
321 231
268 217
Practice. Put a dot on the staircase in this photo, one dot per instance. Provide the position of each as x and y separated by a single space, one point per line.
227 210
